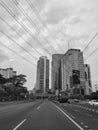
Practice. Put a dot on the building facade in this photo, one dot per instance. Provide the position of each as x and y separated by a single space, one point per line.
7 73
42 81
88 89
55 72
72 72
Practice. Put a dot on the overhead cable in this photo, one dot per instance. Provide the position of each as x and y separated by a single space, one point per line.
17 54
22 25
36 28
40 19
19 35
90 42
91 54
17 44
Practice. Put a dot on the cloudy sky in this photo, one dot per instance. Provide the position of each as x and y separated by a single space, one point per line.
32 28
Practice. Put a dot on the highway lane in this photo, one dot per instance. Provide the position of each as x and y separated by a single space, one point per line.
45 115
48 116
11 115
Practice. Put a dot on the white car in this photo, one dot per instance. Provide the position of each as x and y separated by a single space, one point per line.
93 102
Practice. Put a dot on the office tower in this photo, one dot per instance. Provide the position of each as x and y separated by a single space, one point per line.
72 72
55 72
88 89
42 82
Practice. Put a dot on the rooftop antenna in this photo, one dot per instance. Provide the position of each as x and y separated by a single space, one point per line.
68 45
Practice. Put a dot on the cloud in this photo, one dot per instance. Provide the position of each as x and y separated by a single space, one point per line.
57 14
66 20
3 56
76 19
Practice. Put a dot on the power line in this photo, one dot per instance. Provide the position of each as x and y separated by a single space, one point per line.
19 35
92 54
38 15
90 41
29 19
22 25
17 54
40 19
17 44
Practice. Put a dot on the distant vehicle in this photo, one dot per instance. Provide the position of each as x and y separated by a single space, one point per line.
63 100
93 102
51 98
76 100
63 97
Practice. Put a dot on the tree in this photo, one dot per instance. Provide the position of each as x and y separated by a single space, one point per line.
2 80
18 80
95 95
19 90
13 88
2 93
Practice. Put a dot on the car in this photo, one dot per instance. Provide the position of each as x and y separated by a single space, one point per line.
63 100
93 102
76 100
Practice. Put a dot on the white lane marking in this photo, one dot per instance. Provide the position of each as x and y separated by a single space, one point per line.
81 123
19 124
38 107
70 118
71 115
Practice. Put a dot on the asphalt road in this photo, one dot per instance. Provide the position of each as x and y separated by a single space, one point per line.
87 119
11 115
41 115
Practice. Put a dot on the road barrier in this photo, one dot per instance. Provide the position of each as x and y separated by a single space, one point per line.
86 107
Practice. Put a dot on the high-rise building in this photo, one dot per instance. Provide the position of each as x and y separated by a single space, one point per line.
88 88
72 72
42 81
55 73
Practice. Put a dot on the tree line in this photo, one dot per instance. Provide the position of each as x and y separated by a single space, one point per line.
12 89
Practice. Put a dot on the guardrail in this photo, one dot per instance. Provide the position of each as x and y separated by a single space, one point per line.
87 107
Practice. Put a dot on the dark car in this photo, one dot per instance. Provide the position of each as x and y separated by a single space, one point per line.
63 100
